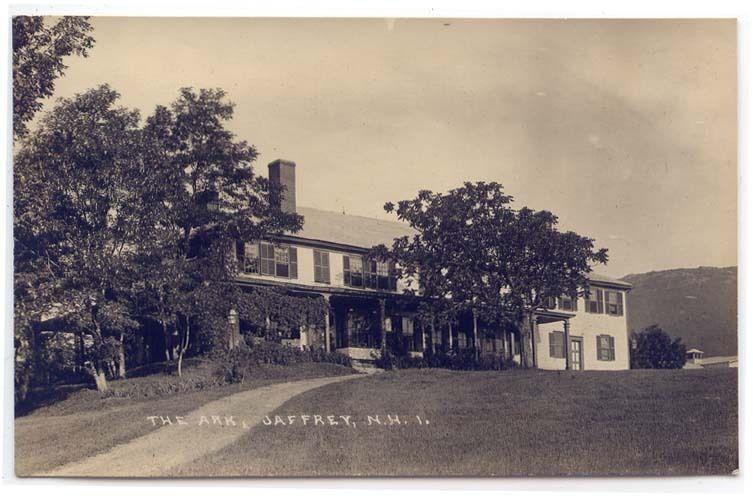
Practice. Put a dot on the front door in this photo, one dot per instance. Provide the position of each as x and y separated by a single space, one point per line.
576 353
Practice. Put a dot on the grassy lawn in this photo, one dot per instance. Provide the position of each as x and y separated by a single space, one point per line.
512 423
86 423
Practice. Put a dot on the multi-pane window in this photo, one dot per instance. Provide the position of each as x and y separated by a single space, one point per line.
605 347
550 303
595 301
557 344
407 325
353 271
282 262
613 301
278 261
321 267
383 275
568 303
250 257
371 274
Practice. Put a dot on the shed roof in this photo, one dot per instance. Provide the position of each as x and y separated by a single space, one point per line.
718 359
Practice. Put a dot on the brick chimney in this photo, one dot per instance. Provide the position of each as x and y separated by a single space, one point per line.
282 172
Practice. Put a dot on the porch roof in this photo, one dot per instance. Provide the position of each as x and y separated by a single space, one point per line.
550 316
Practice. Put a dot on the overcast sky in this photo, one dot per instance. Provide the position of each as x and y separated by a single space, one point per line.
624 129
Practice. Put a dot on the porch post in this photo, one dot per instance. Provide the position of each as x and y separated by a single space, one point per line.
512 345
567 345
235 329
382 332
432 331
423 335
449 335
475 334
327 343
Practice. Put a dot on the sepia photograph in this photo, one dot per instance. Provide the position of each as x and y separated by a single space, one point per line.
374 247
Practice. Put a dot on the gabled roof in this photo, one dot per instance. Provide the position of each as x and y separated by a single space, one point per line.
348 229
365 233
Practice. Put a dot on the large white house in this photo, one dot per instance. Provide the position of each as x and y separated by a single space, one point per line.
328 258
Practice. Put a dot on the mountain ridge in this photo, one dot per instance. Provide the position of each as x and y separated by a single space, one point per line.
698 305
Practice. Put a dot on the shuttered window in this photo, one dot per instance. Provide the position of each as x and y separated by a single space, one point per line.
557 344
613 303
267 258
293 258
595 301
605 348
321 267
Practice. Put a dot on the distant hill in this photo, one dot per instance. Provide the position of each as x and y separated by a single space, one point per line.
697 304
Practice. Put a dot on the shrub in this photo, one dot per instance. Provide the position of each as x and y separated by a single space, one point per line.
464 359
654 348
235 365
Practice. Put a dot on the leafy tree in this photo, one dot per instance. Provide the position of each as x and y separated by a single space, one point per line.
209 197
77 184
38 52
475 253
654 348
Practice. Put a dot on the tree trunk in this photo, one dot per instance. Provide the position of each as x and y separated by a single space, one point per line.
98 374
184 347
98 365
526 341
100 380
180 363
36 351
121 358
80 353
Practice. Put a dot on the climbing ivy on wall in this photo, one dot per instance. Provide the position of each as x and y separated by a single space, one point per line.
258 305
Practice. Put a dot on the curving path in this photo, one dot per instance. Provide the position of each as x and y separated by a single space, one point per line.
172 444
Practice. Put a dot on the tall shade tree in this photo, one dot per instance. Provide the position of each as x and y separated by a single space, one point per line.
78 183
209 199
38 52
473 252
